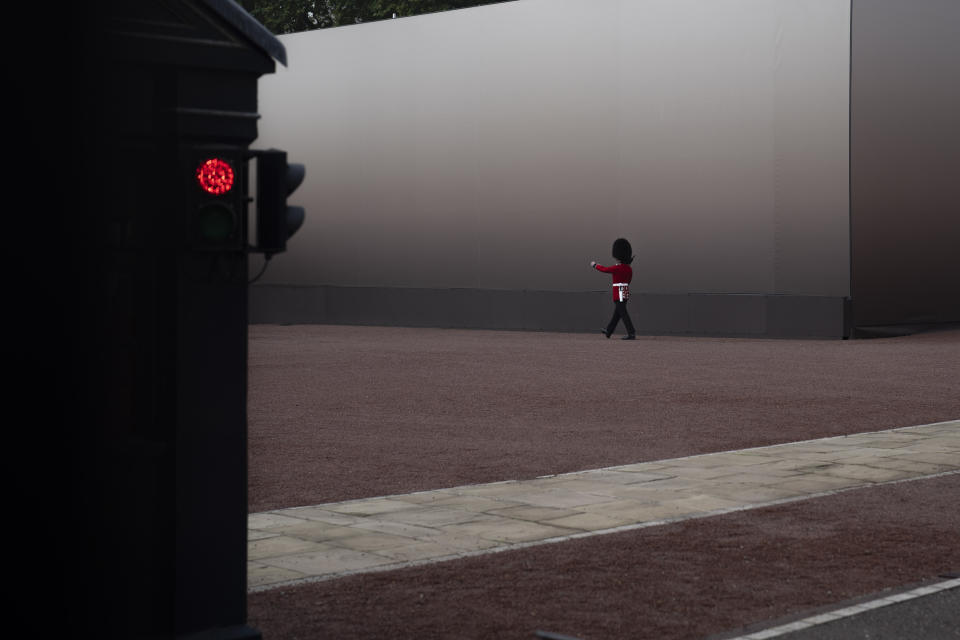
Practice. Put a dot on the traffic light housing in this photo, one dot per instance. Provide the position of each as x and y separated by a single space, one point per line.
276 220
217 209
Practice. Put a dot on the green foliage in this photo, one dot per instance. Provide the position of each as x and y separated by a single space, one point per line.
290 16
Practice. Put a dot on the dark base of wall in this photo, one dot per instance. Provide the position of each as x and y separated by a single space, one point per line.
747 315
899 330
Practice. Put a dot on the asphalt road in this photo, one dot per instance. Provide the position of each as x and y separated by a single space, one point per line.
931 617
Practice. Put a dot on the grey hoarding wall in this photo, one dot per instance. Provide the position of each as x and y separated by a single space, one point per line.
905 161
470 159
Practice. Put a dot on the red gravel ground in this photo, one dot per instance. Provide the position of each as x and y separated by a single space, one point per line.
337 413
348 412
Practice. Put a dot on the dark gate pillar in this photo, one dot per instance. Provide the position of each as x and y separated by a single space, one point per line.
904 163
155 390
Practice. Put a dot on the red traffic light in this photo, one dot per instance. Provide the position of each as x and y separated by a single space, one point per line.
215 176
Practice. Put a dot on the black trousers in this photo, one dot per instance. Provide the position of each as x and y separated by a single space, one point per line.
620 312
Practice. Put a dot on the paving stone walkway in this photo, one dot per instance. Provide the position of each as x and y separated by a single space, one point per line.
302 544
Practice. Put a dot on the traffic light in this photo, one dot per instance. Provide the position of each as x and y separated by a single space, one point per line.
217 195
276 220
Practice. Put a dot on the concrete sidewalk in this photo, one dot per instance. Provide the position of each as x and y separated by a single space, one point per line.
304 544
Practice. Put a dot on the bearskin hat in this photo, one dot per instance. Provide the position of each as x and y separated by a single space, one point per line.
622 251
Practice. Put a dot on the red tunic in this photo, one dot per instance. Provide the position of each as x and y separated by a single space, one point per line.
622 275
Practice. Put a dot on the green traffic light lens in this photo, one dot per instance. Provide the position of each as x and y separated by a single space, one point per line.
216 223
